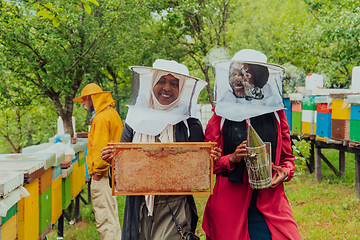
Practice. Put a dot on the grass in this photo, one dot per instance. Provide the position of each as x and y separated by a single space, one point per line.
326 210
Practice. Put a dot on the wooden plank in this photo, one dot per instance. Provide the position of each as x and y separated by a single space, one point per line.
318 164
329 164
342 162
338 147
29 178
162 168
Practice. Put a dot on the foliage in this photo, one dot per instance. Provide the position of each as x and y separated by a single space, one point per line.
48 10
301 150
59 61
327 42
22 110
193 28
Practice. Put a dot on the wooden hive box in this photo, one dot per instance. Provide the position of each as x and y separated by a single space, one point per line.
28 213
74 176
66 192
288 111
11 212
45 181
81 158
296 107
162 168
56 199
44 210
355 112
8 231
323 108
323 126
308 103
296 121
340 109
82 178
340 129
354 130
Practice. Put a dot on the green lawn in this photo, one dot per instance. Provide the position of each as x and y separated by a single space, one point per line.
326 210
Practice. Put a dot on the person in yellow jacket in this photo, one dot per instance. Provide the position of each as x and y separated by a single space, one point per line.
106 126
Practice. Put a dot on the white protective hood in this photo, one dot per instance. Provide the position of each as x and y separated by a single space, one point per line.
240 108
143 119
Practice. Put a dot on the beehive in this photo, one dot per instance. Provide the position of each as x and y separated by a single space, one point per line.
324 107
340 109
340 129
45 210
308 119
11 212
45 181
74 176
288 111
296 121
354 100
29 213
323 126
66 192
8 230
308 103
56 199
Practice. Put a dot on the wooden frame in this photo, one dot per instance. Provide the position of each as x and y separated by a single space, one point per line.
162 168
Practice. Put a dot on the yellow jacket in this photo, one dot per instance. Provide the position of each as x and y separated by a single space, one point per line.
106 126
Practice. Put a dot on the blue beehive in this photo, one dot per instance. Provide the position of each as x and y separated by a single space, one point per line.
288 111
323 126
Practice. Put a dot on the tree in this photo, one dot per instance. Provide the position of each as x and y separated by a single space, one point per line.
59 61
25 117
336 38
193 28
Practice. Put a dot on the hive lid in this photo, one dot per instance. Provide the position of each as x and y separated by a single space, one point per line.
8 201
46 147
10 181
36 148
80 145
20 166
48 159
353 99
295 97
326 91
323 99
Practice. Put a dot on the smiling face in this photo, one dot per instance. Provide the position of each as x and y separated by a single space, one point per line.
241 79
166 90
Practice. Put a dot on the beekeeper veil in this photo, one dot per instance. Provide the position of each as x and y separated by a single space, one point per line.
247 86
146 114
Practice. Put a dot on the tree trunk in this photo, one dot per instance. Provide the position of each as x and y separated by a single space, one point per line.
208 88
13 148
65 113
68 127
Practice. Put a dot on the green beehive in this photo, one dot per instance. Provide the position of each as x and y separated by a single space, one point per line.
44 210
354 130
11 212
308 103
66 192
296 122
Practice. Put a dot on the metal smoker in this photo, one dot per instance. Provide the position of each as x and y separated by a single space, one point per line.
258 160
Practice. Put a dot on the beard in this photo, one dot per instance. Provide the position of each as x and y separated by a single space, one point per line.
91 106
